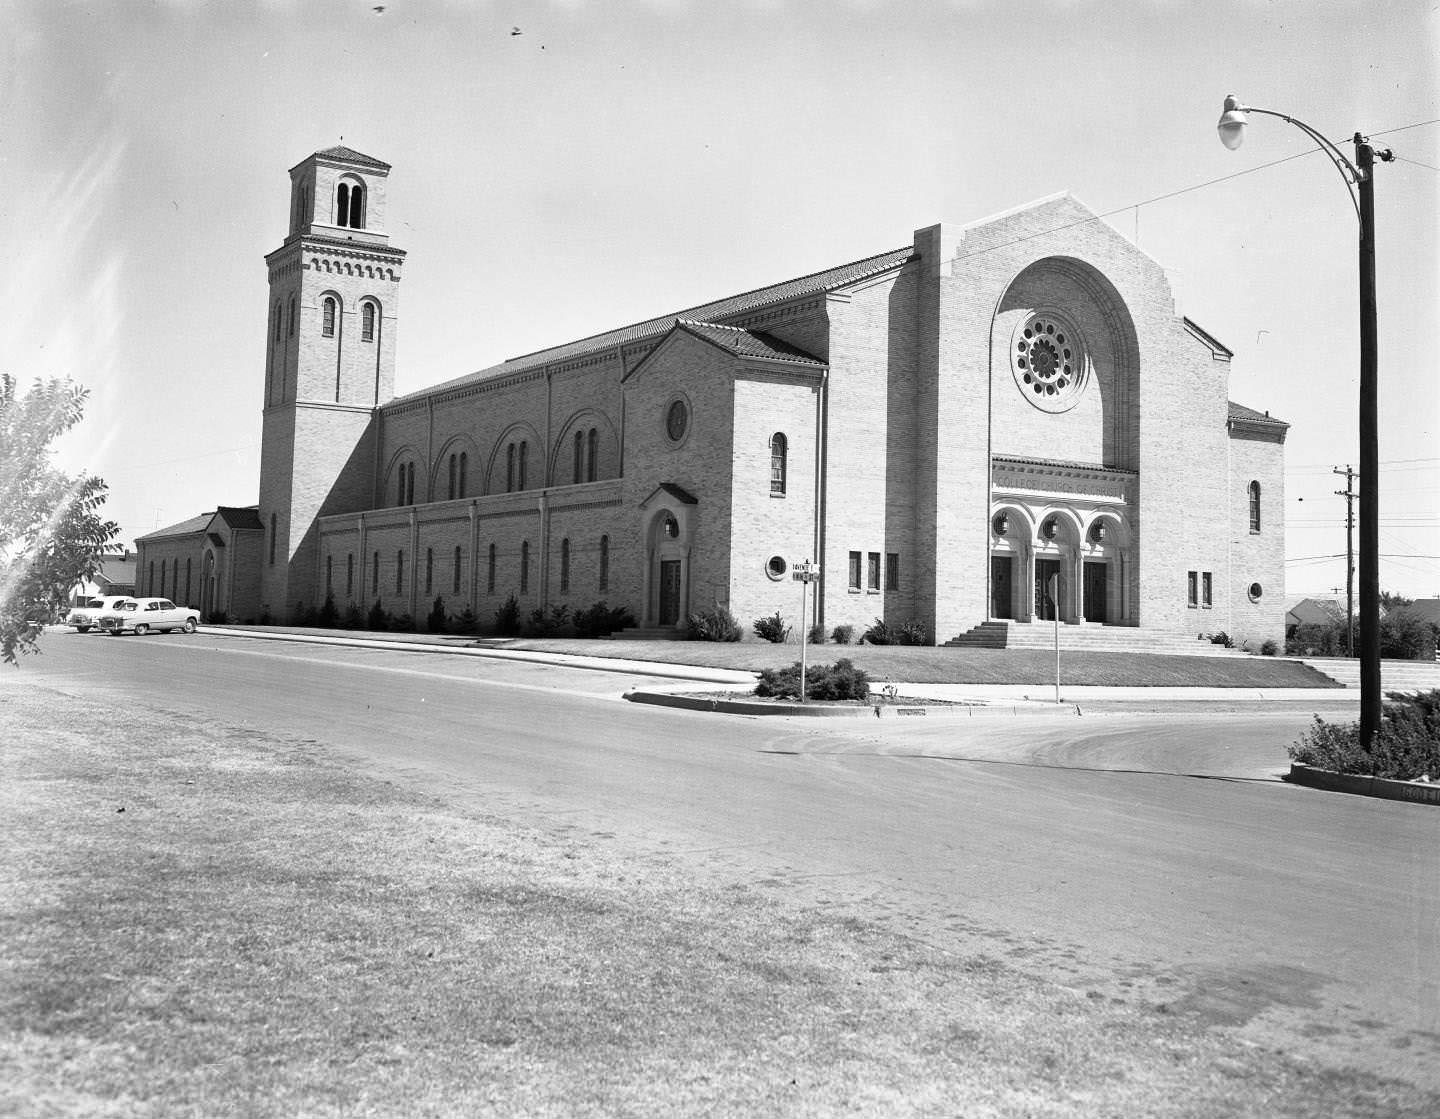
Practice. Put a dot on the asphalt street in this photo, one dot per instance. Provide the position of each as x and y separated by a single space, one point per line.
1138 855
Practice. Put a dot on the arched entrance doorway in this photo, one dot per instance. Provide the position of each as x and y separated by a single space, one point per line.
669 516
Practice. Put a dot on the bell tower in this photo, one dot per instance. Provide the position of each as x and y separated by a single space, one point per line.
329 364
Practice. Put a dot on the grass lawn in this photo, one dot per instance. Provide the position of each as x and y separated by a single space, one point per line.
200 921
938 665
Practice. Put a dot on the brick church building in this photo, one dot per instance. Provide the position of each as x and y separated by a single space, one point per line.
950 429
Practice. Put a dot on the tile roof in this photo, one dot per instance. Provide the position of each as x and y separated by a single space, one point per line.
748 343
184 528
1240 412
350 155
247 517
815 282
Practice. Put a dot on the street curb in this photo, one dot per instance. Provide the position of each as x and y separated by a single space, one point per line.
823 710
1413 792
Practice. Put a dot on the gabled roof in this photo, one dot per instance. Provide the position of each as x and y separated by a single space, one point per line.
1426 609
350 155
749 343
241 517
184 528
1315 611
829 280
1249 415
117 569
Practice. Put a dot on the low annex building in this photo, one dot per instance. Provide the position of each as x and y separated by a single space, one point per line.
993 423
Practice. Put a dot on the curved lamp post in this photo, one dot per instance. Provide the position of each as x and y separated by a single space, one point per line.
1358 177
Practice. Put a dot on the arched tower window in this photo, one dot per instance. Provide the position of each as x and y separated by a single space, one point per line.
1254 506
327 319
367 321
350 205
779 449
592 447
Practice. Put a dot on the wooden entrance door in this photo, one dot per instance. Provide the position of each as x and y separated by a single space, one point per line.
1095 581
1045 607
1002 600
669 592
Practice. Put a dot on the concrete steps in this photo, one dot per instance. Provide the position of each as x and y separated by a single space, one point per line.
1087 638
1395 676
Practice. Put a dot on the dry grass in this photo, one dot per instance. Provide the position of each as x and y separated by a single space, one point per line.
200 921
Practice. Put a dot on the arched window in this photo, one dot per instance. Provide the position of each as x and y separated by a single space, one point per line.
272 539
1254 506
367 322
510 468
565 566
604 563
350 575
464 469
410 487
454 464
327 320
593 445
490 572
455 583
778 451
342 204
579 455
429 571
524 448
400 571
524 566
350 205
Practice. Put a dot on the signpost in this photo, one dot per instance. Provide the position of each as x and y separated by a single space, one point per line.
804 574
1053 590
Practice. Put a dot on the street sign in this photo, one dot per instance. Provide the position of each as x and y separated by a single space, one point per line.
806 572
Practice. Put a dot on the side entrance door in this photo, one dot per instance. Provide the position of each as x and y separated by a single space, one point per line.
669 592
1044 606
1095 604
1002 602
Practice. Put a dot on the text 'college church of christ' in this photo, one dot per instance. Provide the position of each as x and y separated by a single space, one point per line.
995 423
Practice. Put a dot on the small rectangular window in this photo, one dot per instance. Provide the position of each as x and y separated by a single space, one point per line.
854 571
872 580
1206 586
892 571
1192 592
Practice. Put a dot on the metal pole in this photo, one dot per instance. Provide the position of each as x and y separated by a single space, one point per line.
1348 493
1055 605
1369 454
804 594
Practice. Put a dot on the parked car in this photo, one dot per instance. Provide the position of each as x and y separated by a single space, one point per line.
141 615
84 616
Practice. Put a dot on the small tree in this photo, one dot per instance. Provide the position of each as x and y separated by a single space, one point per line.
772 629
507 618
437 621
51 533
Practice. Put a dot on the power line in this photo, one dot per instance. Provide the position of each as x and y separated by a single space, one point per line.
1416 163
1405 127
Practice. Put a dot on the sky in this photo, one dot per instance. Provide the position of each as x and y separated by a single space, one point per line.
617 161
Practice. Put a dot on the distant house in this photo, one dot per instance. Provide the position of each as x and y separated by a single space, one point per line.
1426 609
116 575
1313 612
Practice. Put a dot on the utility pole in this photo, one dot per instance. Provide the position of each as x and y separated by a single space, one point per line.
1349 494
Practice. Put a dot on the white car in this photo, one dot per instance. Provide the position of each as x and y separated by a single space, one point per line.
84 616
141 615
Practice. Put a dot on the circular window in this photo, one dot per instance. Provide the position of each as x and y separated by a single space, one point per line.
1047 357
1256 590
775 567
1001 524
677 420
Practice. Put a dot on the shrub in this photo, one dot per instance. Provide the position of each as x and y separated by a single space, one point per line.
715 624
377 620
817 634
437 621
548 623
327 616
1403 636
912 632
353 618
772 629
466 622
1406 745
220 618
841 680
1222 638
601 620
507 618
1317 640
403 623
1269 648
841 635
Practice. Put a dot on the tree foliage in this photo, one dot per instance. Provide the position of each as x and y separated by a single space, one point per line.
52 534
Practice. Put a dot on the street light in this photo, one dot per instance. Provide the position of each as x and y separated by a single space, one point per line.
1358 177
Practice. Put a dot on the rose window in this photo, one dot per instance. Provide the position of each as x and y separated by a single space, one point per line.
1048 360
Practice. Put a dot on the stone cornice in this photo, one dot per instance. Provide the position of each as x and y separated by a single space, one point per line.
337 247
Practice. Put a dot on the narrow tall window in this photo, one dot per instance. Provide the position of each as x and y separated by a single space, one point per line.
510 468
151 581
357 207
162 576
367 322
329 576
327 321
524 448
592 469
342 204
1192 589
872 581
429 571
272 539
892 571
400 491
279 317
524 566
375 574
604 563
400 571
350 575
565 566
454 467
410 485
292 317
579 455
778 450
1254 506
464 468
455 584
188 596
1207 598
490 572
854 571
